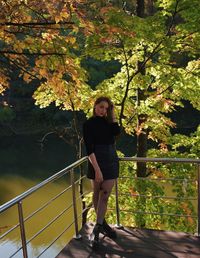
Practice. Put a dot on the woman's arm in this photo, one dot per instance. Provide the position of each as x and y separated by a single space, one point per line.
98 173
89 144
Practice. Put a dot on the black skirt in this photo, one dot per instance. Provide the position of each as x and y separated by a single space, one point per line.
107 160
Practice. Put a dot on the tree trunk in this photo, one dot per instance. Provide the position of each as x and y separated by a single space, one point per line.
140 8
142 135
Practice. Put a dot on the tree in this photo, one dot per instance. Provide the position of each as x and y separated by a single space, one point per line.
40 39
166 45
156 46
39 42
159 56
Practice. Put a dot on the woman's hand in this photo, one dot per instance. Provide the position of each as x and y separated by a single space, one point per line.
98 175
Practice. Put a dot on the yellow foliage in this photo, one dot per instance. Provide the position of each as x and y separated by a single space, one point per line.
3 83
133 192
43 72
27 77
70 39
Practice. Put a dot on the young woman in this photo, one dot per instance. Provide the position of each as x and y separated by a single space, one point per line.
99 133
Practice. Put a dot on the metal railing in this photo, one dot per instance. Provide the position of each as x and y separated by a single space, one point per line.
160 160
18 201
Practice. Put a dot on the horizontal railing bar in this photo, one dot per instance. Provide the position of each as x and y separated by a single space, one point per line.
156 213
10 230
87 208
40 185
47 203
81 178
163 160
58 236
36 211
41 208
76 182
12 255
159 196
40 231
86 192
159 179
81 195
48 224
159 213
79 162
56 239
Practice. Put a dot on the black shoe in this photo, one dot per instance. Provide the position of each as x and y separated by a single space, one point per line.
94 237
110 232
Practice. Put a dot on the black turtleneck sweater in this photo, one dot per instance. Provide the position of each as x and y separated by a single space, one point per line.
98 131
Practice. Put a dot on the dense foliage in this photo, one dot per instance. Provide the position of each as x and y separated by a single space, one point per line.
154 46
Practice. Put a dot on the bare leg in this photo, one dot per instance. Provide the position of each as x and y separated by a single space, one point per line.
96 187
105 190
101 193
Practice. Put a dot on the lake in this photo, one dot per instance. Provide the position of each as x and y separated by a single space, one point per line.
23 164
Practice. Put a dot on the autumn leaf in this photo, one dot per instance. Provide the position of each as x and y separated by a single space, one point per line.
133 192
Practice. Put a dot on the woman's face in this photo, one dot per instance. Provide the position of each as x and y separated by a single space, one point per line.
101 108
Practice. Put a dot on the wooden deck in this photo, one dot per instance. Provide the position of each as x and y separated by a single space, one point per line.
135 243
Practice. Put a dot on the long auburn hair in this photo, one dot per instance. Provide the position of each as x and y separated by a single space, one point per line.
110 105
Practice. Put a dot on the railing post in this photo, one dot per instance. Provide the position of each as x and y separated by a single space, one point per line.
198 167
22 229
77 235
118 225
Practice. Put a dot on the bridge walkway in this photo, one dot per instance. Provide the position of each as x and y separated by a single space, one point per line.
134 243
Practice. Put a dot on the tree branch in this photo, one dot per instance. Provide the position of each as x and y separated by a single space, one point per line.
127 85
20 68
30 24
155 51
9 52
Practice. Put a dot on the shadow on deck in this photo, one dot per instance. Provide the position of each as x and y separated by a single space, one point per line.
135 243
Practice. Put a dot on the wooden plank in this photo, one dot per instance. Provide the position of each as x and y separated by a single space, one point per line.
134 243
